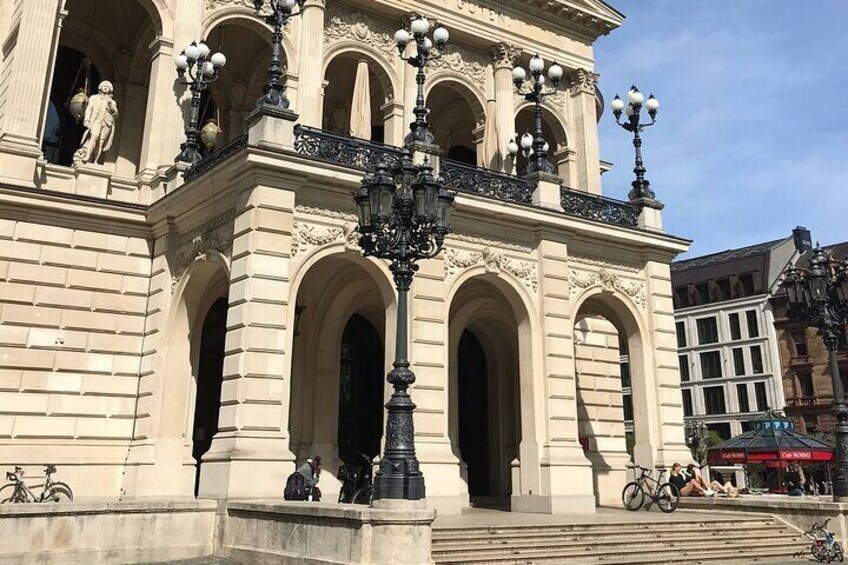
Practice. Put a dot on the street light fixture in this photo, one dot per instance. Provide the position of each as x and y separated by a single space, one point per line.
197 69
535 147
633 111
281 11
818 297
404 216
426 50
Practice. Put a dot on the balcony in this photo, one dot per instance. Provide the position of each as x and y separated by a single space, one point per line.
803 401
800 361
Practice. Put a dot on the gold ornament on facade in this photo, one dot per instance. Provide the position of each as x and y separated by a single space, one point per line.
210 134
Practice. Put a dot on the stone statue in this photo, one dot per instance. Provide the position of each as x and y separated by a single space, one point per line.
100 116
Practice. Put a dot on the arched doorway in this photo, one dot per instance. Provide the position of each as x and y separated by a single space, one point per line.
473 414
554 134
360 391
455 118
341 95
210 371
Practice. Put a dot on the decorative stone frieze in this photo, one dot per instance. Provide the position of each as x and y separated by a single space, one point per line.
598 262
581 80
213 4
309 235
343 24
493 261
610 282
504 55
214 235
464 62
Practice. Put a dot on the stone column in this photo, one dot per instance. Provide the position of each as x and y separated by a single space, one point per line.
164 122
30 58
585 123
504 60
311 64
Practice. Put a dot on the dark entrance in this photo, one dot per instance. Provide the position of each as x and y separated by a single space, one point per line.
474 413
210 374
361 385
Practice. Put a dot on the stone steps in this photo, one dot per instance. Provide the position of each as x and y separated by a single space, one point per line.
687 540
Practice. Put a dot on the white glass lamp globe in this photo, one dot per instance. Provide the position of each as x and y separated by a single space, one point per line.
181 61
192 51
427 45
629 110
288 4
519 74
218 59
512 147
652 103
617 104
555 72
208 69
635 96
420 25
402 37
441 35
536 64
526 141
204 50
546 147
540 80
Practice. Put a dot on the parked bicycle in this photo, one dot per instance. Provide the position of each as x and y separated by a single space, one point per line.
356 481
664 495
16 491
824 548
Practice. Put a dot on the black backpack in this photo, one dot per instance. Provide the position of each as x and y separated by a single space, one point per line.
295 487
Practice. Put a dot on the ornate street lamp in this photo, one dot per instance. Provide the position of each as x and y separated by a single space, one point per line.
818 297
633 111
196 69
426 50
281 11
404 216
535 147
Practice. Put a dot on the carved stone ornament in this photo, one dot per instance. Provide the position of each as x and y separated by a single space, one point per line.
493 262
212 4
346 24
581 80
609 282
101 116
505 55
464 62
215 235
307 236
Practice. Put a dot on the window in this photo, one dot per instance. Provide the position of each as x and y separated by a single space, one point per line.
746 426
628 407
687 402
739 361
625 375
762 399
707 331
746 285
711 365
805 385
714 400
811 423
681 334
681 297
800 341
684 367
735 328
723 430
742 396
723 289
753 327
756 359
703 291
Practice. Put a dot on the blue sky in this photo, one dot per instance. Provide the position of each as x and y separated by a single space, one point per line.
752 133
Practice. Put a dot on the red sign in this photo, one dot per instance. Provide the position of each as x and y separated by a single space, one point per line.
796 455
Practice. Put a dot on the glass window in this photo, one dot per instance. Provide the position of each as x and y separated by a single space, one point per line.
707 331
746 426
800 341
628 407
687 402
714 400
723 430
746 285
703 291
684 367
762 399
735 328
711 365
681 297
625 375
723 289
756 359
739 361
753 326
805 385
811 423
681 334
742 395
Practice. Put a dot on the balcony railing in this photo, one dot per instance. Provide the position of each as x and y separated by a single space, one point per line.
216 157
343 150
488 183
803 401
599 208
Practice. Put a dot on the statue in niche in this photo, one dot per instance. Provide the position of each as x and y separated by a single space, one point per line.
100 117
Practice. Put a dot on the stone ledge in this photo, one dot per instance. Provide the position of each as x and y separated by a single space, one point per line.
140 506
766 502
354 513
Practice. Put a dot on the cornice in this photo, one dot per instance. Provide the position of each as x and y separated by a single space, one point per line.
593 17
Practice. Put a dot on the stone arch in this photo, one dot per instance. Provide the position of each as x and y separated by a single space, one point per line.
555 131
234 15
492 307
609 329
457 116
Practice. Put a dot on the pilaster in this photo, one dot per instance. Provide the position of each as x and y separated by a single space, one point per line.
585 122
311 59
504 57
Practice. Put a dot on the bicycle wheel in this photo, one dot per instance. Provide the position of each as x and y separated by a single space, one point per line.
633 497
58 492
667 497
363 496
819 551
837 551
12 494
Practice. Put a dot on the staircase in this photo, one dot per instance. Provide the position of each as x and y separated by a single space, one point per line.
676 538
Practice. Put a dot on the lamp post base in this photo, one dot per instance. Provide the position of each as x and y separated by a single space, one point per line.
399 487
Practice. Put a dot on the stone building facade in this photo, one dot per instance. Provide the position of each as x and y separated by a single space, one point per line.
150 320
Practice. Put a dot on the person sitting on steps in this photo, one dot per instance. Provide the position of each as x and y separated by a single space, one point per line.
695 473
685 485
311 472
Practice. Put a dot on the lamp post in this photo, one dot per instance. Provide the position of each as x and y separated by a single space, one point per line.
697 439
533 89
281 11
404 216
633 111
197 69
426 50
818 297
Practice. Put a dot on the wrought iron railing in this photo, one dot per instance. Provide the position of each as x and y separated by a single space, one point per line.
488 183
344 150
216 157
599 208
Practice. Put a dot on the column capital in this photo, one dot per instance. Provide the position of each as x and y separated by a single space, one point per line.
581 81
504 55
315 4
